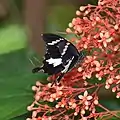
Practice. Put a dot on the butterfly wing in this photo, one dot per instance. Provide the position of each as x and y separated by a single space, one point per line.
69 54
52 63
61 49
60 56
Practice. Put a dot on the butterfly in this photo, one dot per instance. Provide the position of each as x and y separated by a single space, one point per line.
60 57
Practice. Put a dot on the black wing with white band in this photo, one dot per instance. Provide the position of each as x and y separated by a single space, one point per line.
60 57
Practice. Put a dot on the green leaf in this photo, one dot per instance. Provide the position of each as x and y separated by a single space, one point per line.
16 81
21 117
59 17
12 37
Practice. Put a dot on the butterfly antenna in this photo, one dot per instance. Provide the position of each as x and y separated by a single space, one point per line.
36 69
65 33
36 59
31 62
59 32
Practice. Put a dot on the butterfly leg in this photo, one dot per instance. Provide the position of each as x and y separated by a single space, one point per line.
37 69
58 79
68 66
63 72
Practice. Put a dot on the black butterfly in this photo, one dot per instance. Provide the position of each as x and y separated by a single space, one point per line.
61 56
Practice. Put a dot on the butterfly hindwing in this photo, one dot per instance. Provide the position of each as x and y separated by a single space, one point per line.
49 65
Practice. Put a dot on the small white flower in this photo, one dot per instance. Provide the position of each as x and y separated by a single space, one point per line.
116 27
82 111
101 35
62 105
96 102
57 106
82 8
85 96
75 113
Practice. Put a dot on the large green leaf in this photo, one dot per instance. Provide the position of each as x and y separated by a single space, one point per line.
16 81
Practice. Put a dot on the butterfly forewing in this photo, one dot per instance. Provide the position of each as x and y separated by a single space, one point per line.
52 63
51 39
53 51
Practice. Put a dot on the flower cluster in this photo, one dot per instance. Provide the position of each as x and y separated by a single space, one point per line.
98 34
60 100
98 28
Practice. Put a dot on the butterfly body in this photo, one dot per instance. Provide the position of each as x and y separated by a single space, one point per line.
61 56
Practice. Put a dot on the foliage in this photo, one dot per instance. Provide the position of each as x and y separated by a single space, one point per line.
16 78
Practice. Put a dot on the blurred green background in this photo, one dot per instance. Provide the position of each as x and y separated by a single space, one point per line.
21 23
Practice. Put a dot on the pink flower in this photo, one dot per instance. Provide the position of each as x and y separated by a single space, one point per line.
98 35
